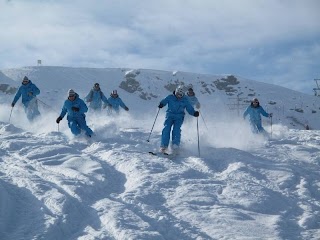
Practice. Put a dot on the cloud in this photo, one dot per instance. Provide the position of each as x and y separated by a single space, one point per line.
199 36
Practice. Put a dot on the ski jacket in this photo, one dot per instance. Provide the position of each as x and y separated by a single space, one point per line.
116 103
176 106
95 98
193 101
255 114
27 92
67 108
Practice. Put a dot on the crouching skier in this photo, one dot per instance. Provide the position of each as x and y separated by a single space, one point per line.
75 107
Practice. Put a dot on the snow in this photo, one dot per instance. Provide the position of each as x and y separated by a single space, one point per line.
242 186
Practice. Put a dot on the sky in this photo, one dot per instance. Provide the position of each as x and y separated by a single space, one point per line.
272 41
226 183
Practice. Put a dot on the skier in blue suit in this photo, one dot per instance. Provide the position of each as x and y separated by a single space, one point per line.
76 109
115 102
28 92
177 103
193 99
95 98
255 111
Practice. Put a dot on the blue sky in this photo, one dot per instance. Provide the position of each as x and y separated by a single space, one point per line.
274 41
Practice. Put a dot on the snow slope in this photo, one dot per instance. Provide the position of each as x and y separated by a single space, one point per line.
238 186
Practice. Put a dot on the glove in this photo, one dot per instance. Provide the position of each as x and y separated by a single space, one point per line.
12 104
75 109
58 119
198 105
126 108
270 114
30 93
160 105
196 114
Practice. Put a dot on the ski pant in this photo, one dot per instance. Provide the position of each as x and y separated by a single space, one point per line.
31 109
76 124
175 123
256 127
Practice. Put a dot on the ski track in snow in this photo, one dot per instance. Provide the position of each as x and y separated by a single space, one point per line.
54 187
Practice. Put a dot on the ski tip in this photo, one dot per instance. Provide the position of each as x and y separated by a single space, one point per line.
156 154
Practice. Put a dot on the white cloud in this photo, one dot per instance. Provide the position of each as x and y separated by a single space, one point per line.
190 35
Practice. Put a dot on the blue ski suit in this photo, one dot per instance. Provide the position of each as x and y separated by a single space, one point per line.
255 117
28 93
116 103
174 118
76 119
95 98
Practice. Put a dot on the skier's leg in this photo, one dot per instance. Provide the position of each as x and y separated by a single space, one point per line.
73 125
165 137
83 125
31 109
176 132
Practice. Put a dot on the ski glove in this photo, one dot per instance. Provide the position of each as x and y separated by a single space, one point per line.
30 93
196 114
12 104
58 119
160 105
126 108
270 114
75 109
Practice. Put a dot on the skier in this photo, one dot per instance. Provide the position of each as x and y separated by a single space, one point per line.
28 92
76 108
177 103
95 97
255 111
193 99
115 102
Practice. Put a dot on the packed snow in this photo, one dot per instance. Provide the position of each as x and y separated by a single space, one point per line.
229 184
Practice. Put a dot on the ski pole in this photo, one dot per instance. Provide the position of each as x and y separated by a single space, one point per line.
198 137
10 114
153 125
45 104
204 121
271 125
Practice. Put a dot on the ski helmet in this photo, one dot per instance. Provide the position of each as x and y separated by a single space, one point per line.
71 93
25 80
179 92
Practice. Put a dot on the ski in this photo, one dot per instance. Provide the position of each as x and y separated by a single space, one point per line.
157 154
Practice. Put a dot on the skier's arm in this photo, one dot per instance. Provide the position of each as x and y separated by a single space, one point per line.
83 107
88 97
263 112
121 103
164 102
63 111
189 108
35 90
104 99
16 97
